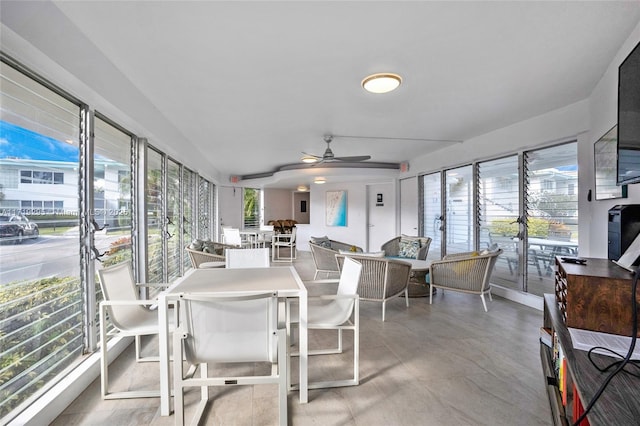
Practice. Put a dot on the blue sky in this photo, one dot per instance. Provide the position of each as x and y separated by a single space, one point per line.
18 142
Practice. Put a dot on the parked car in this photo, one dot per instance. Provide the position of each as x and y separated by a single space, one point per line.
17 227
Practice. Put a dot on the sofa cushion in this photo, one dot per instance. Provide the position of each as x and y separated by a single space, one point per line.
322 241
196 245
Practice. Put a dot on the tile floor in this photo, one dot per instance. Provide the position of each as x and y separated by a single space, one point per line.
449 363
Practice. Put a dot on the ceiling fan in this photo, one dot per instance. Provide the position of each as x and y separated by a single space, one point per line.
329 156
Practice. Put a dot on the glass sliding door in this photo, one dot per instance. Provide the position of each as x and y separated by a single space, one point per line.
41 303
498 213
432 219
551 201
155 216
205 200
459 218
173 232
112 193
189 216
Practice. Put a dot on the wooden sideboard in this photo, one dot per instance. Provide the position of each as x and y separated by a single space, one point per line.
595 296
570 394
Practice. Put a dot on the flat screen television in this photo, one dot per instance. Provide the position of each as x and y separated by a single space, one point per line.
629 118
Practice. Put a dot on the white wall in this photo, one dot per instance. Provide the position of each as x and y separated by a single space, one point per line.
409 206
603 107
585 121
278 204
230 206
298 215
356 230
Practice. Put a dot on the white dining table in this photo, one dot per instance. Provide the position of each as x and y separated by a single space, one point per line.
285 281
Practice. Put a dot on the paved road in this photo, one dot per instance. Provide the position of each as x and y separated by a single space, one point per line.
47 256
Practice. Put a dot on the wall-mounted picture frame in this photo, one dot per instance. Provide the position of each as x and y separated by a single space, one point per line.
336 208
605 167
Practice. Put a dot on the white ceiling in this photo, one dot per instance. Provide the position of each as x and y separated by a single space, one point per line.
249 85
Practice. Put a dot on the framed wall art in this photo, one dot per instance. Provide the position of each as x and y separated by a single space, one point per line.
336 206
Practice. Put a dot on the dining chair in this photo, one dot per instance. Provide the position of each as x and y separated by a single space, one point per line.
227 329
287 241
265 236
332 312
247 258
130 316
232 237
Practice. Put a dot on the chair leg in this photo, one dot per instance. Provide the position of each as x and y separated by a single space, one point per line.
356 343
406 296
483 302
384 308
283 376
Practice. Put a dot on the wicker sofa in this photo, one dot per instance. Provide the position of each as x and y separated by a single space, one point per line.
381 278
201 252
323 252
397 247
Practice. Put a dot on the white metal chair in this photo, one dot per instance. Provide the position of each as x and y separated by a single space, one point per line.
227 329
287 241
247 258
129 315
232 237
265 235
334 312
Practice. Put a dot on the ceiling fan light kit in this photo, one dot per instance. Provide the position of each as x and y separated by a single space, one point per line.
309 159
381 82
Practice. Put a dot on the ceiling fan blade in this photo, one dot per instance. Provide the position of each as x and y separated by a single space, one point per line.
312 155
354 158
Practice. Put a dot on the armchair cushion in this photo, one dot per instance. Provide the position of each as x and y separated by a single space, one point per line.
322 241
201 251
405 246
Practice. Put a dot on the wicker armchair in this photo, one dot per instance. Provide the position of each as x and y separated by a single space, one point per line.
392 247
198 257
464 272
325 257
381 278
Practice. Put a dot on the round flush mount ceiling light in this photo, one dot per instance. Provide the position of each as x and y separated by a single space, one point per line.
302 188
319 180
381 82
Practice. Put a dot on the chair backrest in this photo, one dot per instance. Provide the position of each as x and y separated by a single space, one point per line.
348 285
324 258
349 276
247 258
266 228
232 236
229 328
293 235
117 283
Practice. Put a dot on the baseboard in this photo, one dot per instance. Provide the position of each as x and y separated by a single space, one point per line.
521 297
